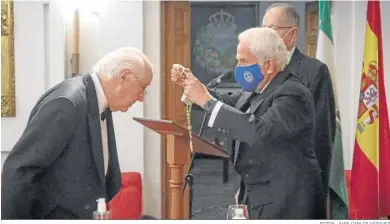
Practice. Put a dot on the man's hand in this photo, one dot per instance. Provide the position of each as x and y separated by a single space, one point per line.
195 91
179 74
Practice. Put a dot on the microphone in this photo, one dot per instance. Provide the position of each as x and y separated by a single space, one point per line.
219 79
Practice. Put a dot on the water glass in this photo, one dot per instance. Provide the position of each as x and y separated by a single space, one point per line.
237 211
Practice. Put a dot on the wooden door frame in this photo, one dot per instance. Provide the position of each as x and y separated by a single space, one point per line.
163 96
170 94
310 7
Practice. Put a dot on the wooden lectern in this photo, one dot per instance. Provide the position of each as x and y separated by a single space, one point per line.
178 143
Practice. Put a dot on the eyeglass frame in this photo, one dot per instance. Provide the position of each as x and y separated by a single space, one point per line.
145 89
277 28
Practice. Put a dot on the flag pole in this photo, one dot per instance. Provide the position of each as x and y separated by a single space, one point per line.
76 38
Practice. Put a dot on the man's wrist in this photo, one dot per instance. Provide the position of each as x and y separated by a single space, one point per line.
205 100
209 105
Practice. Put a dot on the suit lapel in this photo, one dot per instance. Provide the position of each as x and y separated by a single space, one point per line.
275 83
243 100
241 106
295 62
279 78
94 126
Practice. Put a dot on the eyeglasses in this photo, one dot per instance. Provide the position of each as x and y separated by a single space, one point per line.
274 27
145 88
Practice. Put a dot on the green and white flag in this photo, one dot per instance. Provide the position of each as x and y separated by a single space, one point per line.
337 183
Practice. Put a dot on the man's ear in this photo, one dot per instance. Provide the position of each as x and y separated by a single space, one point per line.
271 66
295 33
124 74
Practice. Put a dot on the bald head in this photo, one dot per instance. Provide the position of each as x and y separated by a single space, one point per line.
124 75
284 12
284 19
112 64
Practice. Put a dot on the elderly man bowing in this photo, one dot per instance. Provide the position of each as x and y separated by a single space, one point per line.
66 157
272 121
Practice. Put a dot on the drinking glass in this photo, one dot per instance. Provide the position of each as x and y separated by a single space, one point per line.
237 211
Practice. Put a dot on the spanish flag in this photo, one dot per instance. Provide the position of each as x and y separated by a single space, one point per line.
370 176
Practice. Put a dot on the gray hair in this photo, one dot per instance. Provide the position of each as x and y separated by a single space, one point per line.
124 58
291 16
265 43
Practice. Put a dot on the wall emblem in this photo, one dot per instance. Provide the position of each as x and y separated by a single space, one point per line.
216 42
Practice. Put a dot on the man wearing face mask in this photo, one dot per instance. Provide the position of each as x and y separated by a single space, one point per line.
283 18
272 123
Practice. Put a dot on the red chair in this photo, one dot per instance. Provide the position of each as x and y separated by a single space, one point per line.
127 204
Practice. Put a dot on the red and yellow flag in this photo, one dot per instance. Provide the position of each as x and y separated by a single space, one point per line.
370 176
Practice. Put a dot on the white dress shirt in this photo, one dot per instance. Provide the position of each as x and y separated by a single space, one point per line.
290 54
102 103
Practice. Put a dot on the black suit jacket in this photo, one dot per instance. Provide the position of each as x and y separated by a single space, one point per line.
315 75
276 159
56 170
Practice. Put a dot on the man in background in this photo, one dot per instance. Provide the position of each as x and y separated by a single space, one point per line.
66 157
283 18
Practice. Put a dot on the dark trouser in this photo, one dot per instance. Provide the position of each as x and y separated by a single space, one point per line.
254 213
61 213
244 199
301 207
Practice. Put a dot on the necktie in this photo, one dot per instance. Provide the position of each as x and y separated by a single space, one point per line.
105 113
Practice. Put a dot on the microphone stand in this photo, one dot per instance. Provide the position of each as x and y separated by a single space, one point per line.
189 179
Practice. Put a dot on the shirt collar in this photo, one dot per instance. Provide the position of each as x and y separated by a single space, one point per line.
290 54
101 97
262 90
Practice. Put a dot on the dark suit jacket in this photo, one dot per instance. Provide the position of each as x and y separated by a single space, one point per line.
276 160
56 170
315 75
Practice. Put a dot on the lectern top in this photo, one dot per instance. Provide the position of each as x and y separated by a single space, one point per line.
163 127
167 127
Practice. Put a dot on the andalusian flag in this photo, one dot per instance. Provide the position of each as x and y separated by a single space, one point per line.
370 177
337 184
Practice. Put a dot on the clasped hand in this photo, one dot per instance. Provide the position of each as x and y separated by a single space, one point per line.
194 90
